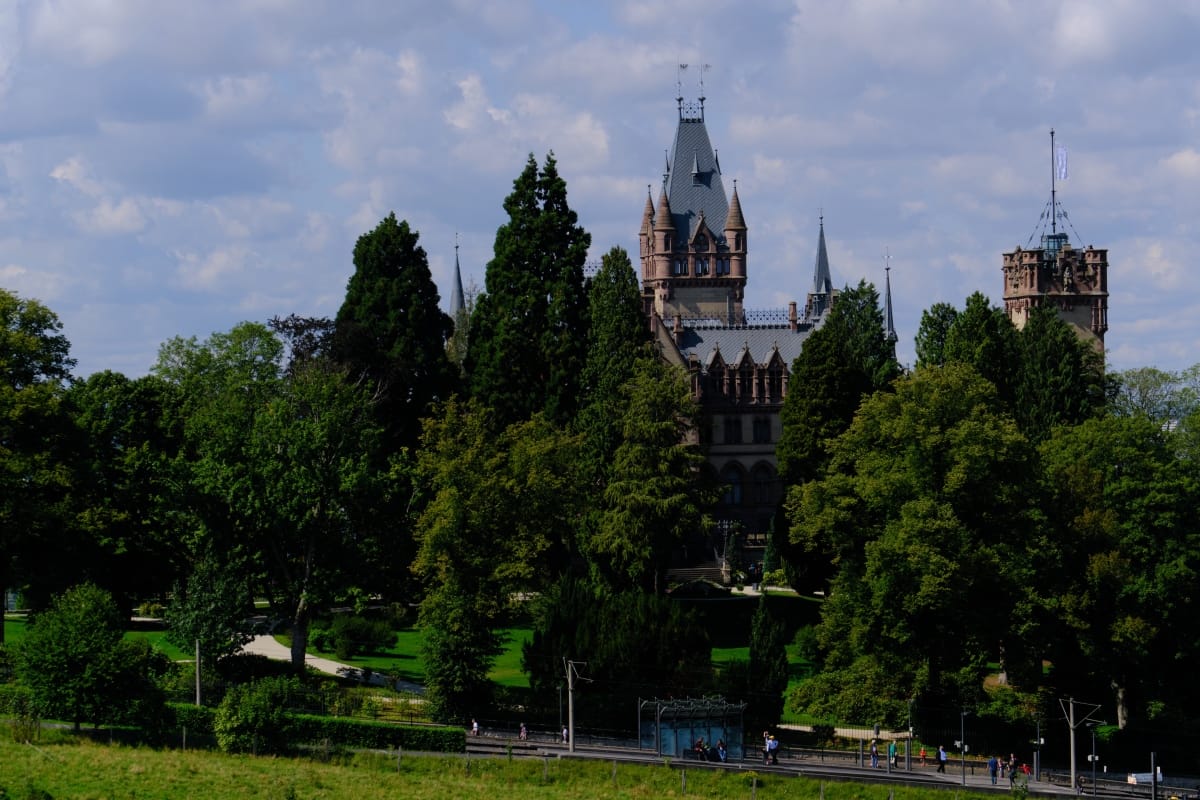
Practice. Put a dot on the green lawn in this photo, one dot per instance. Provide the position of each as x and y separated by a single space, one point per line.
85 769
14 631
404 659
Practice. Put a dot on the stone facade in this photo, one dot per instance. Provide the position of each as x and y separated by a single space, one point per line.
694 251
1074 281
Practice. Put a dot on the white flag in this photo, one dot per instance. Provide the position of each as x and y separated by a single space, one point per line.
1060 162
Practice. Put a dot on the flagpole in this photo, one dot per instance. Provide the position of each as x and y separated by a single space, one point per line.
1053 175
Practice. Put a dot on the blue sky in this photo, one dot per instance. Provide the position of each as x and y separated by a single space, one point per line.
174 168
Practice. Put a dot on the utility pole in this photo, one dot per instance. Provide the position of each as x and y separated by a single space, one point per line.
571 668
1068 707
197 673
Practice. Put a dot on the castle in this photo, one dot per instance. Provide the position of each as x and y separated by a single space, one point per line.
694 248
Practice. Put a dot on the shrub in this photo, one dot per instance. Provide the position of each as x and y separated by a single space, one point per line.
251 718
352 635
197 719
308 728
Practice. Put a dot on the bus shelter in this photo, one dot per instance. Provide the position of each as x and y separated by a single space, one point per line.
671 727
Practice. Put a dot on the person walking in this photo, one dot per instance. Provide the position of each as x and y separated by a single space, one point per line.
942 758
874 755
923 754
892 763
993 768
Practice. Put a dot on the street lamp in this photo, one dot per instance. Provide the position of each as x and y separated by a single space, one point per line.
1092 757
962 744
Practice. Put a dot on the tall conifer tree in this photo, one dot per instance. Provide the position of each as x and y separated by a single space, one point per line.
618 335
528 333
391 330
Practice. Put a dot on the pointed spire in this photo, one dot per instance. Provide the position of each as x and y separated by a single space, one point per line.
662 217
822 279
734 220
648 212
457 303
889 327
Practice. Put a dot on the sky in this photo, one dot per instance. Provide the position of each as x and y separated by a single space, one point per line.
172 169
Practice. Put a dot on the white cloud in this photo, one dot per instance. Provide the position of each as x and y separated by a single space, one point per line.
1184 164
113 218
44 285
76 173
211 271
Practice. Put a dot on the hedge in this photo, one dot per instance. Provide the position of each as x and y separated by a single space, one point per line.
366 733
197 719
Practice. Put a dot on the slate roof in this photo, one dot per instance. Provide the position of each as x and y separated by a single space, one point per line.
703 343
693 181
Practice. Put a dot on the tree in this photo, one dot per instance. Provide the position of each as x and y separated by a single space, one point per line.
125 501
35 442
983 338
75 662
1061 379
925 512
936 322
281 468
528 341
211 605
391 330
843 361
618 335
767 671
1125 507
1154 393
498 522
635 645
654 495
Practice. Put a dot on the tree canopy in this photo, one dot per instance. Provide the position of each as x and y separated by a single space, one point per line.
528 339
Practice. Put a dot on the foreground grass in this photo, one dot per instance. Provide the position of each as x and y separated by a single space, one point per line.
81 769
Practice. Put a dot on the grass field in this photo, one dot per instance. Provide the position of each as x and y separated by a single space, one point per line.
87 770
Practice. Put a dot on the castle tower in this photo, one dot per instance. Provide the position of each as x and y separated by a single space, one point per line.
694 244
1073 281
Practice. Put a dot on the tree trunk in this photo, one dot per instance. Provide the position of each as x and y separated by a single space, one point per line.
1122 706
299 637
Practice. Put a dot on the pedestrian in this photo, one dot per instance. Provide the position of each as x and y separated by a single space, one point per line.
892 755
942 758
773 749
993 768
874 755
765 752
722 752
564 734
474 727
923 754
524 732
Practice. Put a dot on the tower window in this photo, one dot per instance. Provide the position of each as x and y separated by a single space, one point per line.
733 430
762 430
679 267
722 266
731 476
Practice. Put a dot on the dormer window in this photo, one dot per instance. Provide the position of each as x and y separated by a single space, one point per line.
701 242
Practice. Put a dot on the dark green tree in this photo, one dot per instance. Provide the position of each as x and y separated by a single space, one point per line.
1128 568
617 337
767 671
280 466
926 511
528 340
655 494
635 645
73 659
36 447
211 605
391 330
983 338
1061 379
125 500
843 361
936 322
498 522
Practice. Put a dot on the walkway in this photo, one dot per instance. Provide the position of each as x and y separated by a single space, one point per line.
269 647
